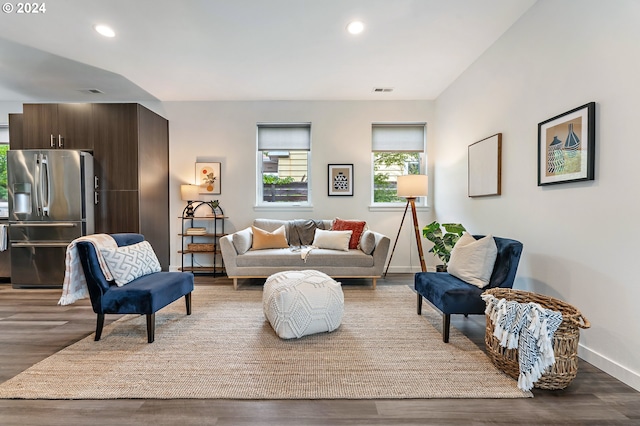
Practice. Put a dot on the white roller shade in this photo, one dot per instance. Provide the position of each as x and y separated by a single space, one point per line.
4 133
284 137
397 137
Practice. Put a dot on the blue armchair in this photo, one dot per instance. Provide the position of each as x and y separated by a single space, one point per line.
144 295
451 295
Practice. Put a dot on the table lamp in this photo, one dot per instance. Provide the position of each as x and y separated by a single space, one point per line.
189 193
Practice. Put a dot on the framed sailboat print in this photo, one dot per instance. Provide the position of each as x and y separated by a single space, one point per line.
566 146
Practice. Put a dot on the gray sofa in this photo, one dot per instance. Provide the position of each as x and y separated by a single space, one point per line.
242 262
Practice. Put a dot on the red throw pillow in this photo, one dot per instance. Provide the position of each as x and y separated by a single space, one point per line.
356 226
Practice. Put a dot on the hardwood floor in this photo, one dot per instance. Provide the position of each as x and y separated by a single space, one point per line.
33 327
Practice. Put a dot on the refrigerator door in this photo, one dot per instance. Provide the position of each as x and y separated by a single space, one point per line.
46 186
37 264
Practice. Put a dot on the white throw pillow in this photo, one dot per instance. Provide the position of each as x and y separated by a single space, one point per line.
332 240
472 260
127 263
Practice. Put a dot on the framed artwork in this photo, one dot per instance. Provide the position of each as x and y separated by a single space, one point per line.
208 178
485 166
340 179
566 146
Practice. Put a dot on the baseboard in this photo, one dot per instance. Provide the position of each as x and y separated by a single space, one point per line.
610 367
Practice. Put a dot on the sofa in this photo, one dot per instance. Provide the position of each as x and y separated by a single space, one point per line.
364 258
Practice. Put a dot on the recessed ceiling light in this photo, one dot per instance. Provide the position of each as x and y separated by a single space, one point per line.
355 27
104 30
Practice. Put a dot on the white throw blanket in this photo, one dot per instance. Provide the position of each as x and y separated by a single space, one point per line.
74 286
528 327
305 251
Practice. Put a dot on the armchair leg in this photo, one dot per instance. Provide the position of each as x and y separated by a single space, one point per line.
419 304
99 326
446 323
151 327
187 298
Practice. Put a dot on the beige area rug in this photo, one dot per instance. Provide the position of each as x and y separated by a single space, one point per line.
226 349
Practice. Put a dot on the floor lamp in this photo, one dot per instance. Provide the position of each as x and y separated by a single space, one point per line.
411 187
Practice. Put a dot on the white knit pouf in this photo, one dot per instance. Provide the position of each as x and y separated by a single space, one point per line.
299 303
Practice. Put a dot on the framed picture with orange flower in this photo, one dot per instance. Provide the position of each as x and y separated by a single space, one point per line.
208 177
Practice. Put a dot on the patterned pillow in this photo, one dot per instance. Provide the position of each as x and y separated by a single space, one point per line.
357 226
127 263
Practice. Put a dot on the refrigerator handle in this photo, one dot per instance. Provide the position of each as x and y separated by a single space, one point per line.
52 142
45 182
60 141
36 186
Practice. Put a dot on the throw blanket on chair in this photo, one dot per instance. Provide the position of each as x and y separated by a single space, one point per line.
74 286
528 327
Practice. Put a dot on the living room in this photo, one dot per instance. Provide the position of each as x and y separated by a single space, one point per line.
557 56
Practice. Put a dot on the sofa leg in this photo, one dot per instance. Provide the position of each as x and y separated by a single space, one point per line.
235 283
151 327
419 304
99 326
187 299
374 282
446 323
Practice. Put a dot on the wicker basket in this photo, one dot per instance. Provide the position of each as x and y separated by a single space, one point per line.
199 247
565 340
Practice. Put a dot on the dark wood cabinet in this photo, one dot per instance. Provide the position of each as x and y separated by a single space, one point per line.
57 126
130 146
16 140
131 151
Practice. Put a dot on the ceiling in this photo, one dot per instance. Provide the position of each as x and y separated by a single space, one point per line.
246 49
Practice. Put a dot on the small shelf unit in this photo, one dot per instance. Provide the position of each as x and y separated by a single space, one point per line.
200 237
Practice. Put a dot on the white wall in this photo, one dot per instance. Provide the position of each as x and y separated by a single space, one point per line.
341 133
580 239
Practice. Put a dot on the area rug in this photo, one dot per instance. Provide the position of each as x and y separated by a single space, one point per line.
226 349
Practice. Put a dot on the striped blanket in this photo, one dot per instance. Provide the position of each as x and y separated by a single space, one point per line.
528 327
74 286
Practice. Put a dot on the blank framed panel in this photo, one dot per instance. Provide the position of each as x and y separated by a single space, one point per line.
485 166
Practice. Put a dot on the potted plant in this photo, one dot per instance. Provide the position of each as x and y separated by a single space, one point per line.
443 242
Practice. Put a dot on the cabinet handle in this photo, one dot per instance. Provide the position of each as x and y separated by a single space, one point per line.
60 141
52 142
95 182
95 198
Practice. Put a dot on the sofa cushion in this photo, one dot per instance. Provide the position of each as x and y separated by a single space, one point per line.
265 240
472 260
242 240
449 294
368 242
333 240
127 263
286 258
357 226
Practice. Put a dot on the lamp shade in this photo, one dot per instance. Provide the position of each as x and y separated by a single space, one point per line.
411 186
189 192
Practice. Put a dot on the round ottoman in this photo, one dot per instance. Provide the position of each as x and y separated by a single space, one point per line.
299 303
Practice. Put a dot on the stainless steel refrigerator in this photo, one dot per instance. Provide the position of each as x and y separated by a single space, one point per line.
50 204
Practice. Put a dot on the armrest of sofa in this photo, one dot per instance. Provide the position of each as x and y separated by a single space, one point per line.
380 252
229 255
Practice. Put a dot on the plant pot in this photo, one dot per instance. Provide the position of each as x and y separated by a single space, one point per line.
441 268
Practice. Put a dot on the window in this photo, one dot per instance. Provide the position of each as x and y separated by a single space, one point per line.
4 146
283 163
397 149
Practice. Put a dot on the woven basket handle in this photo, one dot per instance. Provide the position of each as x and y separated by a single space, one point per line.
580 321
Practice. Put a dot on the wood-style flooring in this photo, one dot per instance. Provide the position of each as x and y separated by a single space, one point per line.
33 327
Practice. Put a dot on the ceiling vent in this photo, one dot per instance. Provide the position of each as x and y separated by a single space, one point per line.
91 91
382 89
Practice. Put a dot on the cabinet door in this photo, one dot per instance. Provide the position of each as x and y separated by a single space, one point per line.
40 126
16 141
115 140
117 211
74 126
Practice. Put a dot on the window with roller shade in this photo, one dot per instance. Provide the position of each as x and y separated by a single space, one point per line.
284 152
397 149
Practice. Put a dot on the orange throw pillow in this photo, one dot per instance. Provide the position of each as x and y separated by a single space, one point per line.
265 240
357 226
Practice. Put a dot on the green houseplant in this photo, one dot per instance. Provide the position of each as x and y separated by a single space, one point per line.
443 242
